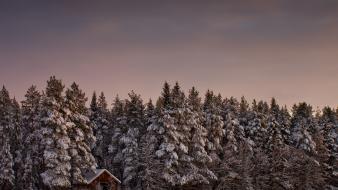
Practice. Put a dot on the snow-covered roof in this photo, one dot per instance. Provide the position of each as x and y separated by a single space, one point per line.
91 176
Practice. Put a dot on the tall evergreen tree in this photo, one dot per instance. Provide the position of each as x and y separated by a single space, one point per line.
302 127
213 123
81 135
166 95
7 175
32 156
130 140
16 138
200 171
55 139
100 117
119 124
150 164
177 97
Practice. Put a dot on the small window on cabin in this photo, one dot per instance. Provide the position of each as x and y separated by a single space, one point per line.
104 186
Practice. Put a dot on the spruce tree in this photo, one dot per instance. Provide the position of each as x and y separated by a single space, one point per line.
16 138
100 117
200 173
302 127
81 135
213 123
166 97
119 128
177 96
150 164
32 156
130 140
7 175
55 140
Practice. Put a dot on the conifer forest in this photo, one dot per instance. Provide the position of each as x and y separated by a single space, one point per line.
184 140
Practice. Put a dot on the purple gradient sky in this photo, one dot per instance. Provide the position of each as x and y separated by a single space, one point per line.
259 49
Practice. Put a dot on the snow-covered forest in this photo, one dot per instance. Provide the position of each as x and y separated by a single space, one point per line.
176 142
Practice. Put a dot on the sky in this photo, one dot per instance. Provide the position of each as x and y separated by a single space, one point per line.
255 48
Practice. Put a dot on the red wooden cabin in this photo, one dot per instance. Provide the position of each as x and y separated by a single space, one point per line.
100 179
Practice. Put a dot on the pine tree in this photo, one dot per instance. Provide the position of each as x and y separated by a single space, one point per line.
100 117
177 97
81 135
16 138
329 125
6 166
194 101
277 126
235 170
243 112
119 124
234 130
55 139
199 173
31 154
173 134
302 123
7 175
305 171
130 140
150 164
166 96
213 123
150 110
257 129
93 108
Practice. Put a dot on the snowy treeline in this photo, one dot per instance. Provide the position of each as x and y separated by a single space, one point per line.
181 142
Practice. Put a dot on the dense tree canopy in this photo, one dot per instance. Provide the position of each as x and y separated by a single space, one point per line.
183 142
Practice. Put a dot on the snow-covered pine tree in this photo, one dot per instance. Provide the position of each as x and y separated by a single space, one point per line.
234 131
302 123
173 135
327 143
93 109
176 140
200 174
166 96
304 171
263 107
278 166
284 120
236 168
178 99
119 128
7 175
81 135
329 125
244 114
16 138
214 124
31 153
130 139
6 166
100 117
277 126
255 126
55 139
150 164
149 111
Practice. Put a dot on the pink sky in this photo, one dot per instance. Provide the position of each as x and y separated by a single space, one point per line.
282 49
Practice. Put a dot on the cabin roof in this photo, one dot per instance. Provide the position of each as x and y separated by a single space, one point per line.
91 176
